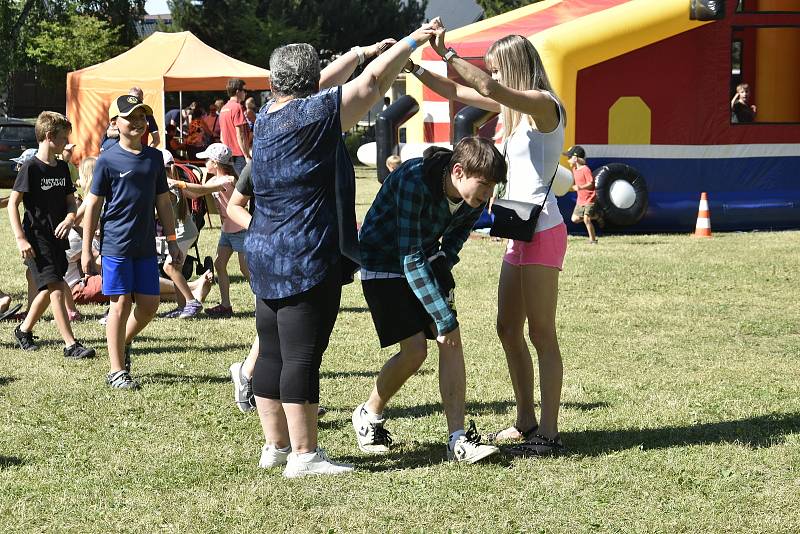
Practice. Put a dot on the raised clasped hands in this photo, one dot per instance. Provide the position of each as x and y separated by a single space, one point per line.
425 32
437 39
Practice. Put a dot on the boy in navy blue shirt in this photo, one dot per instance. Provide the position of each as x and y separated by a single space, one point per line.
44 186
131 179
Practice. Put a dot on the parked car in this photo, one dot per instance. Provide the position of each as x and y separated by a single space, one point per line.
15 136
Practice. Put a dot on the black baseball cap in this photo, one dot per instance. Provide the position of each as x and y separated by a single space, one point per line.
122 106
576 150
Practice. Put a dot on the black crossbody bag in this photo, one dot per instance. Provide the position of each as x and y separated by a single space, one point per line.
517 220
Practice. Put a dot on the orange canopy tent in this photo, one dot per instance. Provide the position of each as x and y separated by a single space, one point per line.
162 62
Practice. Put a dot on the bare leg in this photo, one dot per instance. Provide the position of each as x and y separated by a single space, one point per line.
221 266
452 385
250 362
69 302
31 289
201 286
511 330
5 302
166 288
59 308
115 330
540 286
243 265
302 425
143 313
273 422
36 308
183 292
589 228
397 371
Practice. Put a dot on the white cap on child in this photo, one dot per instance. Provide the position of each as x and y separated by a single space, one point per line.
216 152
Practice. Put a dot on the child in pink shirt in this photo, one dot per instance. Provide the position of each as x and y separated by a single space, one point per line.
218 163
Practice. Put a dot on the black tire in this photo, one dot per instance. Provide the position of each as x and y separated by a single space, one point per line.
604 177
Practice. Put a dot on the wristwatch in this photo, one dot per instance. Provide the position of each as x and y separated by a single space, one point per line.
418 71
450 54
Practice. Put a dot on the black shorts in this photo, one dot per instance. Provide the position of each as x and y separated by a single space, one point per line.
396 311
50 263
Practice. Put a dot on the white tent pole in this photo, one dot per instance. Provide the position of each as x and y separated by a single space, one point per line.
180 115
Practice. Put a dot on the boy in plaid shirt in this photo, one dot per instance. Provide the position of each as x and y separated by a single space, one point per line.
410 241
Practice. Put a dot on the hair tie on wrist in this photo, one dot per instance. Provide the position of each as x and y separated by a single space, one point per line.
410 42
172 237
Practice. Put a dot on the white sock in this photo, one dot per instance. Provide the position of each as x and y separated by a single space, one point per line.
287 448
454 437
372 417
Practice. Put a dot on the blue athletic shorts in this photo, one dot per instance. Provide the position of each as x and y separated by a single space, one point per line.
234 240
123 276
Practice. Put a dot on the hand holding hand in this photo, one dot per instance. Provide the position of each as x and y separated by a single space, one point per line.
425 32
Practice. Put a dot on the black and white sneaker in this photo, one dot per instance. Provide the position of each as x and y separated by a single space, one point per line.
121 380
77 351
468 447
371 436
25 340
242 388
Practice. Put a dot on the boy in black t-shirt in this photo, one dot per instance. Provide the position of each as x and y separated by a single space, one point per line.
44 186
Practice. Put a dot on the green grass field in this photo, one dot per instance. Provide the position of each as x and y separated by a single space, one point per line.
681 409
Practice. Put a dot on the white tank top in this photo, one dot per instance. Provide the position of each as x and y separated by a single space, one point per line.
532 160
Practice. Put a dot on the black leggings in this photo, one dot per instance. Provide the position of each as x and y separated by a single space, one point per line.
293 333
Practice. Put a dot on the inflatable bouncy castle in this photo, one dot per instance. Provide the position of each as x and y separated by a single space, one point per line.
649 86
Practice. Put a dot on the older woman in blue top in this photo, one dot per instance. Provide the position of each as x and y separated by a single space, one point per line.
293 242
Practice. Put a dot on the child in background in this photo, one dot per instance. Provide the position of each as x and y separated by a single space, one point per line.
189 305
392 162
231 238
130 178
44 186
585 208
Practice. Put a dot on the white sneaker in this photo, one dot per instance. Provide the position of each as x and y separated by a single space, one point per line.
468 448
242 388
317 464
271 456
371 436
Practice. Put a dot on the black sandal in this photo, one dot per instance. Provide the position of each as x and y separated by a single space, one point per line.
538 445
491 437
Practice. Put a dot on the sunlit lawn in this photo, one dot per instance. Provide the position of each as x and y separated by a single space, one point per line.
681 409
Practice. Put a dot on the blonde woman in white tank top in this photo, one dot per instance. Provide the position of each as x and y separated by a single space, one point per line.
533 135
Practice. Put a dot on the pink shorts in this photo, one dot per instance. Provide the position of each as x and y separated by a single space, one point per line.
548 248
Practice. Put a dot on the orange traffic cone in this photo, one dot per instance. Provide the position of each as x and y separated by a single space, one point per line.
703 227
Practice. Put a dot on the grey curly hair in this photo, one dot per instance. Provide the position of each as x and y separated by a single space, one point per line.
294 70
